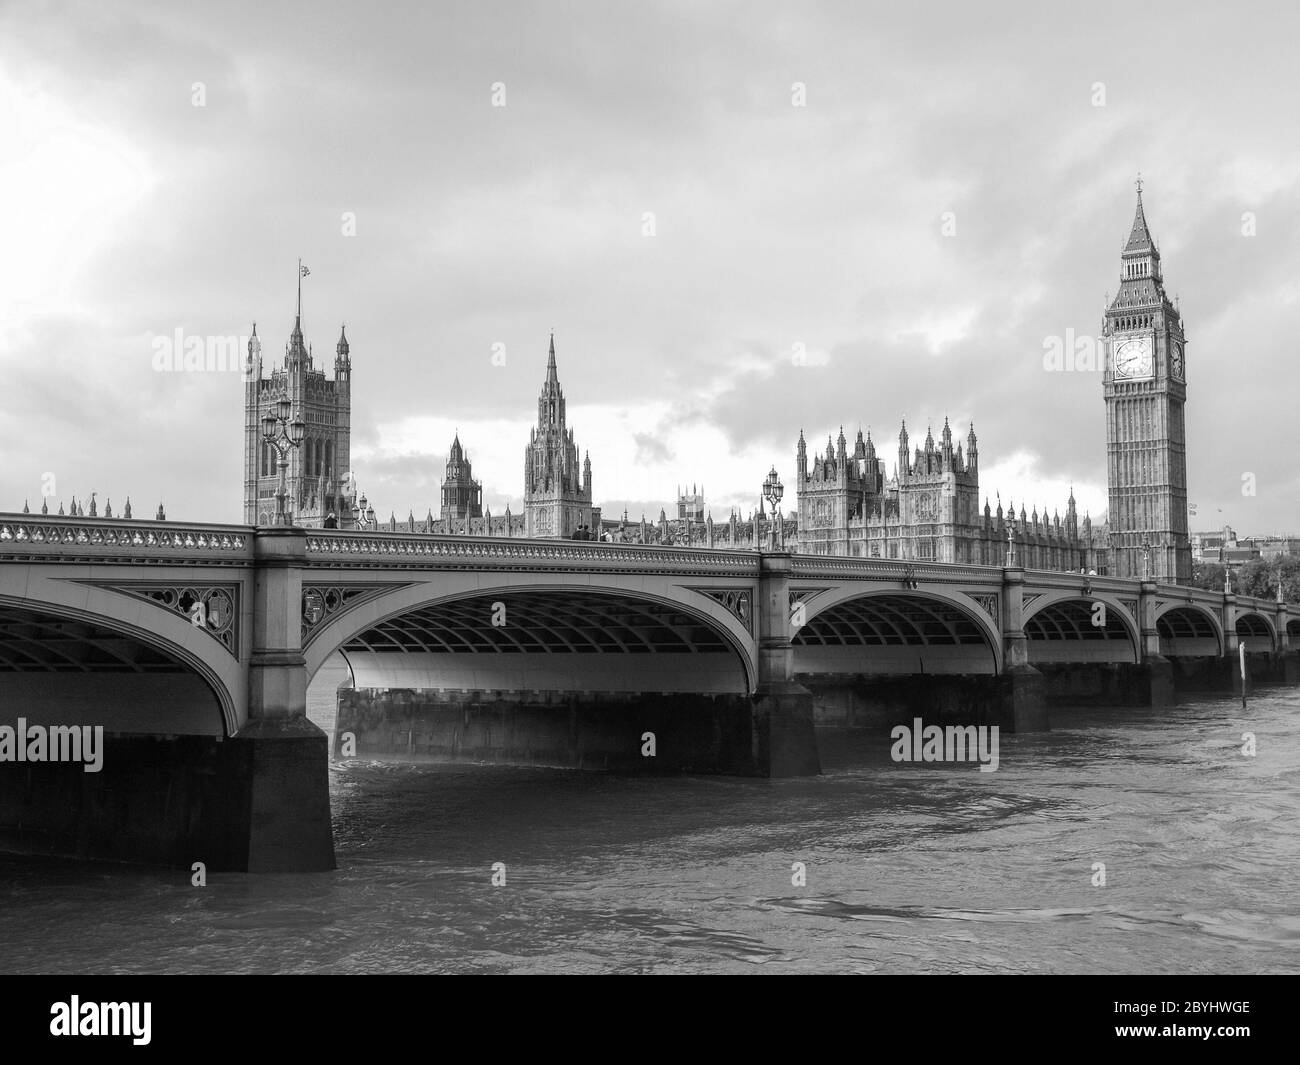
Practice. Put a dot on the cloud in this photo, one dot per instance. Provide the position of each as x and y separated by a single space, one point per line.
799 274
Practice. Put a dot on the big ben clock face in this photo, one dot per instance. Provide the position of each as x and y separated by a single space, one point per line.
1133 361
1176 360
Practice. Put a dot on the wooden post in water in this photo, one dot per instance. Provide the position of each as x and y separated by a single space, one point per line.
1241 647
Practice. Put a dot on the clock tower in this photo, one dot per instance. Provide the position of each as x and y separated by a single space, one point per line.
1144 385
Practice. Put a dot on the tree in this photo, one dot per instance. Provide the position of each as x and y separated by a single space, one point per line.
1207 575
1259 578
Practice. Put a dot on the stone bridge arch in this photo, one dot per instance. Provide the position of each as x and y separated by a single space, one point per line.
601 631
1189 630
886 630
1059 628
1255 630
169 675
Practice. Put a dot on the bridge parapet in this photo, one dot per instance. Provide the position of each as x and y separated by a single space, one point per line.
434 551
111 540
823 566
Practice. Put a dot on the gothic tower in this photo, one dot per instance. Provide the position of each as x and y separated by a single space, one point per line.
557 491
462 496
1144 386
317 476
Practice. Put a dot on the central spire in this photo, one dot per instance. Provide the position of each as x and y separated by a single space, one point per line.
1139 239
297 348
551 373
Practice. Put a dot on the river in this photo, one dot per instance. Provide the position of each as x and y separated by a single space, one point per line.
909 868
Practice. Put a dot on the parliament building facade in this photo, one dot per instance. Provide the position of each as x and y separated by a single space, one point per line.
928 509
849 503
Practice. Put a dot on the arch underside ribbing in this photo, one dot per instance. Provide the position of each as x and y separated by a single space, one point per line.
1188 632
52 670
1255 631
893 634
1076 630
547 640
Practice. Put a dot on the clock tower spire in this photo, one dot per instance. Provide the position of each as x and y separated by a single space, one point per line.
1144 387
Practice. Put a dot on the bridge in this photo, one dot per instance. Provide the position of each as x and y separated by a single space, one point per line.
193 645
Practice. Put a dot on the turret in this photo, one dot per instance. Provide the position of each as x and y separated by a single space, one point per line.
253 365
801 458
903 461
342 357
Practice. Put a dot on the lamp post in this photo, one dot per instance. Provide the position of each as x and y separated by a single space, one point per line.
362 514
1011 542
773 490
283 435
1146 558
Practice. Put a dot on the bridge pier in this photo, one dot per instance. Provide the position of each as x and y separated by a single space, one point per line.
785 740
1286 661
1023 689
1287 667
877 702
276 774
1155 673
625 732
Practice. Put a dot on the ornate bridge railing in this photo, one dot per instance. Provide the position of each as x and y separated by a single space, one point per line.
431 550
824 566
28 538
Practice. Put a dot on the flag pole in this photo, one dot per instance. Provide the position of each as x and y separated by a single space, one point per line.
299 290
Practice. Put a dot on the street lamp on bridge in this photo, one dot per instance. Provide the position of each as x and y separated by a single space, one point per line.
284 436
1146 558
773 490
362 514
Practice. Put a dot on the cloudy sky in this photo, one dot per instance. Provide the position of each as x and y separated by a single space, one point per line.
739 220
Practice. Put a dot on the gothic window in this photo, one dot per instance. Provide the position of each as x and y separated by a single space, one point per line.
329 454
